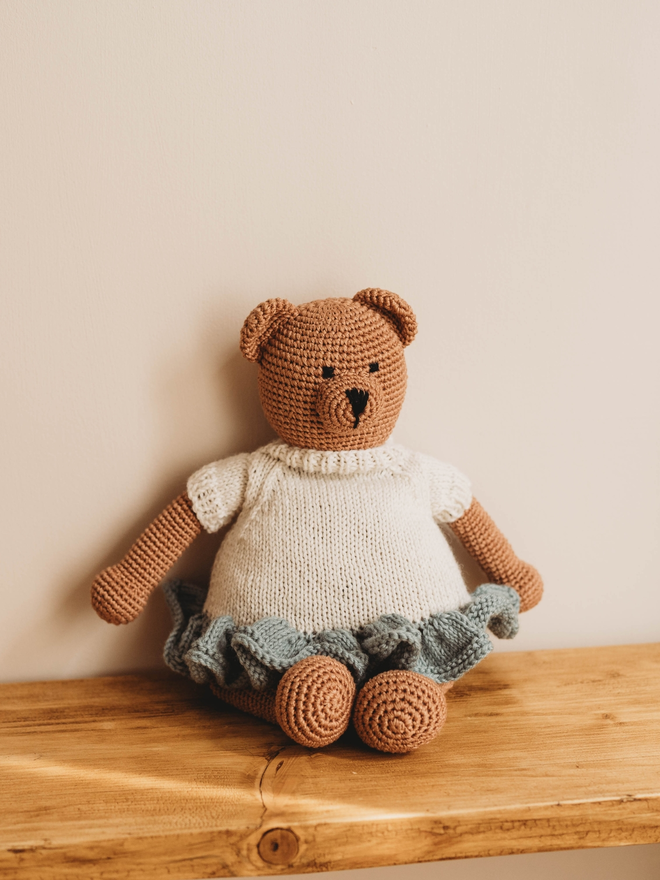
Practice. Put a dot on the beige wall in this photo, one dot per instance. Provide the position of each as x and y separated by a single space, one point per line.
168 165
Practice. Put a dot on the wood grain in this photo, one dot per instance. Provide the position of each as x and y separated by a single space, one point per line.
150 776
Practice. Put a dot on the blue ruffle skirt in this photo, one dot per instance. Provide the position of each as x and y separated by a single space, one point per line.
442 647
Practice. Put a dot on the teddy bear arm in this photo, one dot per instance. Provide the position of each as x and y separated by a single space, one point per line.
486 543
119 593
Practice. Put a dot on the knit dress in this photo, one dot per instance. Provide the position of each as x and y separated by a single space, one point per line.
338 553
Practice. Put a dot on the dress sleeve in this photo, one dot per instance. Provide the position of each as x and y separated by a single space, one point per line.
450 490
217 490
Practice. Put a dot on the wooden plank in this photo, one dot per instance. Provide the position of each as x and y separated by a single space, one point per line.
149 776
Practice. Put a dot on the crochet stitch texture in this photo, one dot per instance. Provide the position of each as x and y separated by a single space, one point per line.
297 346
334 591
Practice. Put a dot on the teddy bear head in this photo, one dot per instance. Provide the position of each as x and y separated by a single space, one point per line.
332 374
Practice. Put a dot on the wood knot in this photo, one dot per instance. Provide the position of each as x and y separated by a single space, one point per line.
279 846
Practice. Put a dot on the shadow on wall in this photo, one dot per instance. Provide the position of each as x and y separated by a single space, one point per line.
203 410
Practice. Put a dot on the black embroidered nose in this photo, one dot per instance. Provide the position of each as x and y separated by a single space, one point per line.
358 401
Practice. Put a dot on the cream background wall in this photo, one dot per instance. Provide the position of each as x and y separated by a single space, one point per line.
167 166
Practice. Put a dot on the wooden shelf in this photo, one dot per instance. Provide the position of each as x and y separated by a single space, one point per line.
149 776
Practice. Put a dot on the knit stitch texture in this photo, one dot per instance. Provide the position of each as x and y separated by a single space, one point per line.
255 657
334 539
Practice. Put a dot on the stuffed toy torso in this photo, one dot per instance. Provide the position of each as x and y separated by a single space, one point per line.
335 593
328 540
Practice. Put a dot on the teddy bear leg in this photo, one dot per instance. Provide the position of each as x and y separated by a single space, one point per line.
258 703
314 701
398 711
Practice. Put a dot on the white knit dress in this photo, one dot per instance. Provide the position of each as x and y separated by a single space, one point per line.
331 539
333 553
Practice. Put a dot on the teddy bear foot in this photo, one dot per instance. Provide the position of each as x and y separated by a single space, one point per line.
398 711
314 701
312 704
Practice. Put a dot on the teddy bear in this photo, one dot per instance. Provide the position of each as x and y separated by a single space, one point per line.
335 596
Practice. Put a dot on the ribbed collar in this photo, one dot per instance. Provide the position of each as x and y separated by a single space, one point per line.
344 462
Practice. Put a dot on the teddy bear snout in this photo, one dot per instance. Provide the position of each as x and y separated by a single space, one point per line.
345 407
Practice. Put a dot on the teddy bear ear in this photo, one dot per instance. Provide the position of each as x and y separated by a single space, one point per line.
393 307
260 325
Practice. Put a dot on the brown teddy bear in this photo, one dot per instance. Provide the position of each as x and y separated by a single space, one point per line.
334 594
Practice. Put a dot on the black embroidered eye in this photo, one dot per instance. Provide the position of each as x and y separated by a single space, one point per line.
373 368
328 372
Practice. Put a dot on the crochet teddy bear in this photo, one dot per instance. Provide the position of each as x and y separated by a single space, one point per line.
335 595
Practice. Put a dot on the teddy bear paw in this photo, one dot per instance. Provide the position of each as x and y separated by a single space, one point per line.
398 711
116 597
314 701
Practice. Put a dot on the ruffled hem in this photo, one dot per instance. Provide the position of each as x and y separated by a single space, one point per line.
443 647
